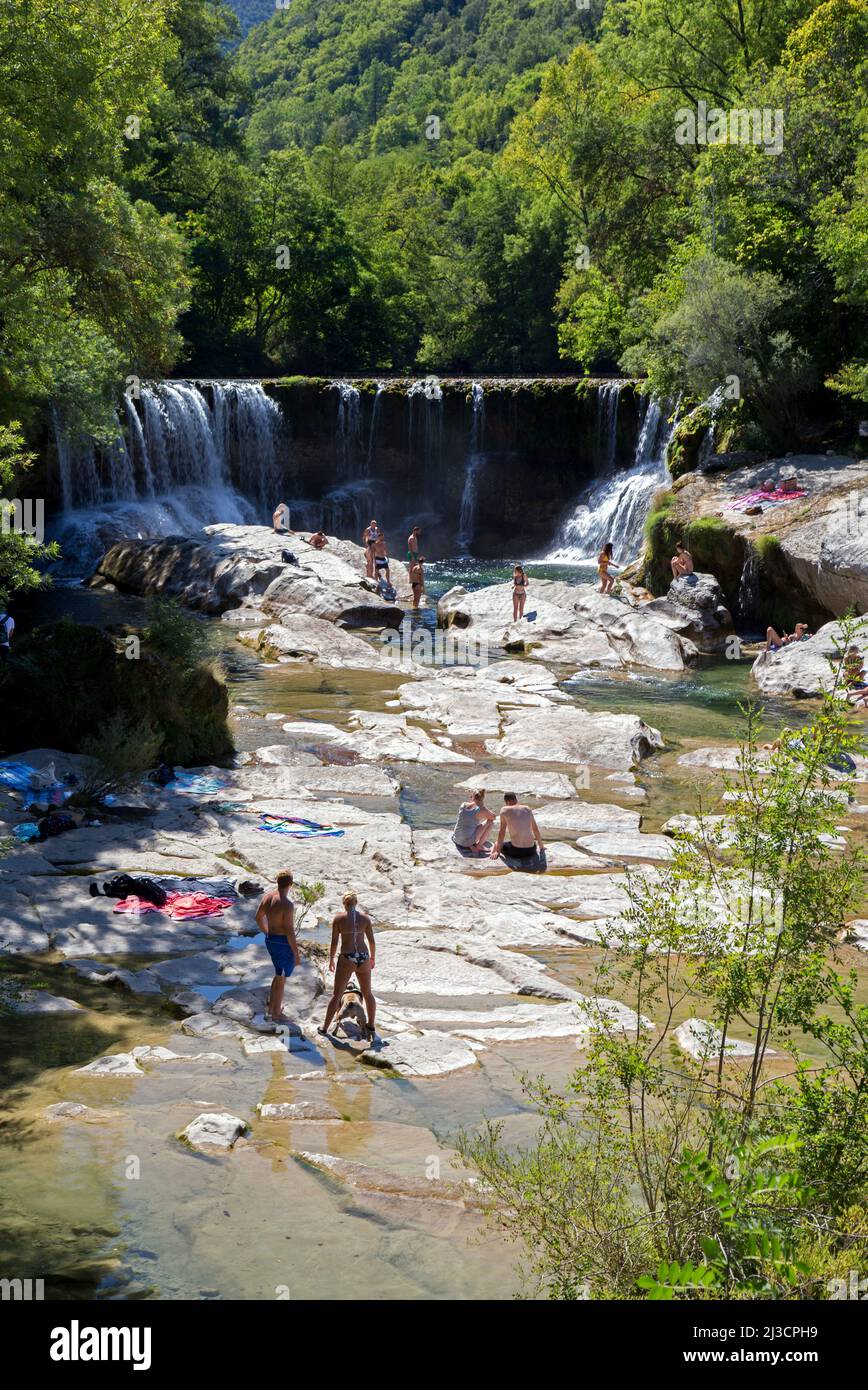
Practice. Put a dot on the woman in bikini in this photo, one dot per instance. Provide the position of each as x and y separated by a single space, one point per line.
353 931
519 592
776 640
604 564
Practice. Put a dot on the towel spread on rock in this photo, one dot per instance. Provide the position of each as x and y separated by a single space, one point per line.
21 777
297 827
762 498
181 907
198 783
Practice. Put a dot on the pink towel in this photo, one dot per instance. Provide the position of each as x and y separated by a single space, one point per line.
135 906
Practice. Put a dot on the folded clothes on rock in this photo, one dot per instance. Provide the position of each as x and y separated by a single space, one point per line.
297 827
135 906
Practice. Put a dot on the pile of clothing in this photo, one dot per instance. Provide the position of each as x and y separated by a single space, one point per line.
762 497
139 894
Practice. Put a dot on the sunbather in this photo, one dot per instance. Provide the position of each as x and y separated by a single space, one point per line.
854 676
353 930
774 640
681 562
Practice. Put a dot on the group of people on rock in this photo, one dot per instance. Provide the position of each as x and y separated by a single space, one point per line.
518 834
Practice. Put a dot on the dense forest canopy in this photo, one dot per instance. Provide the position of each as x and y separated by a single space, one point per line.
413 185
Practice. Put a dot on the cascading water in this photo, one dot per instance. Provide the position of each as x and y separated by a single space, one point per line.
475 460
372 433
186 463
348 434
615 507
608 400
747 599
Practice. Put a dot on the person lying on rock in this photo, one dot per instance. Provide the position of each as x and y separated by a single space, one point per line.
605 562
275 916
353 931
775 640
473 823
681 562
518 837
318 540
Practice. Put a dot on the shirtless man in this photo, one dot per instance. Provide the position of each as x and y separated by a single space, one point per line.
318 540
381 559
353 932
518 822
280 519
413 545
275 916
417 579
369 537
681 562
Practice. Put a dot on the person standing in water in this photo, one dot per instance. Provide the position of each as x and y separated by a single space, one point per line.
370 537
275 916
353 931
519 592
604 564
413 544
417 579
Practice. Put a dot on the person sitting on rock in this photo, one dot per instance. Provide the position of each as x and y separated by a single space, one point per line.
275 916
517 822
473 823
605 562
775 640
318 540
681 562
854 676
353 930
280 519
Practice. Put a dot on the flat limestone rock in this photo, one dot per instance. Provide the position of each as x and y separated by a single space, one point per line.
214 1130
373 1180
701 1040
627 844
303 638
423 1054
299 1110
389 736
573 735
582 817
73 1110
136 981
117 1064
148 1056
525 784
37 1001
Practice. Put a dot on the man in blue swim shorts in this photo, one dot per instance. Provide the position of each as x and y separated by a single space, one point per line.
275 916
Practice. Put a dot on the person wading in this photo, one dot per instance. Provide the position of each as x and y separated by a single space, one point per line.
275 916
353 932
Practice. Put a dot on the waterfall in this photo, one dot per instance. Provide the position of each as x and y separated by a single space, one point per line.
185 463
345 511
348 434
614 508
608 400
372 433
747 598
712 403
430 393
475 459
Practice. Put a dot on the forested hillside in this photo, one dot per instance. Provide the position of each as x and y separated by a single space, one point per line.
417 185
250 12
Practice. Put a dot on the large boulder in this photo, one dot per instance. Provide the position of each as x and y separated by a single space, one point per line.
694 608
804 669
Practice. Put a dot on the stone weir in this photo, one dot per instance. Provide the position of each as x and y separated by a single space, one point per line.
484 466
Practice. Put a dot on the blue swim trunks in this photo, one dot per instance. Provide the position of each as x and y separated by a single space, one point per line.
281 955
